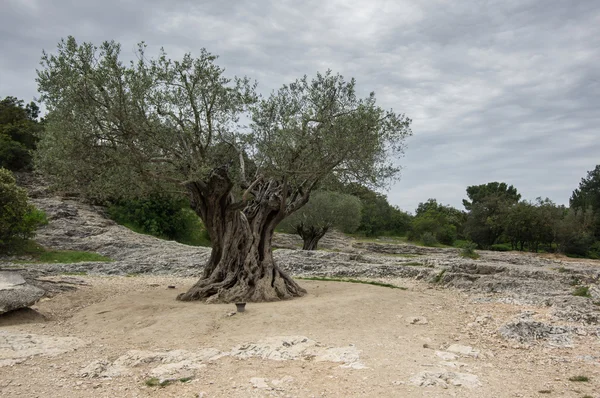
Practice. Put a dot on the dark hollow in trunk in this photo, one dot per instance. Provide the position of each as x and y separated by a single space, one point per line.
241 267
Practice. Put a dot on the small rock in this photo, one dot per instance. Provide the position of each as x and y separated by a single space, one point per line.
260 383
417 320
463 350
446 356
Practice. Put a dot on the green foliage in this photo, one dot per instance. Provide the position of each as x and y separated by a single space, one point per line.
443 222
587 196
488 207
582 291
378 217
579 378
482 193
501 247
468 250
176 121
18 218
161 216
19 131
429 239
38 254
324 210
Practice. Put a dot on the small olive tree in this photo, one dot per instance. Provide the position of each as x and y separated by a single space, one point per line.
114 128
324 210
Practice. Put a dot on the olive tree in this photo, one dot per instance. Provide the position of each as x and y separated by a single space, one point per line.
115 128
324 210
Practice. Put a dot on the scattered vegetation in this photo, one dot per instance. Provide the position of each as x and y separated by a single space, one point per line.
414 264
429 239
468 251
582 291
35 253
438 277
579 378
326 279
18 218
161 216
324 210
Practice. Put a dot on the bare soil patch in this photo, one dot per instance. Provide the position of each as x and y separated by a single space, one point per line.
403 338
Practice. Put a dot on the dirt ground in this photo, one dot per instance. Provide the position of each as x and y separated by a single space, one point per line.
113 315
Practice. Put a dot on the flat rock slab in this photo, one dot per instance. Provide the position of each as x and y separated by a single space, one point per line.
16 293
445 379
17 347
175 363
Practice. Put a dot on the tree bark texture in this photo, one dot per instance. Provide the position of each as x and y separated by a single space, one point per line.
311 235
241 267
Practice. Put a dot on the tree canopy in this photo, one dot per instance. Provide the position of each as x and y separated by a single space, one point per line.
19 129
115 128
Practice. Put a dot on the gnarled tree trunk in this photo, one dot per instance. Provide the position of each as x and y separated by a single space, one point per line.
241 267
311 235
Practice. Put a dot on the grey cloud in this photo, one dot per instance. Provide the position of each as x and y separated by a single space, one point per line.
498 90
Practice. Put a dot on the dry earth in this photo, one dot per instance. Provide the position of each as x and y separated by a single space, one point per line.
502 326
113 315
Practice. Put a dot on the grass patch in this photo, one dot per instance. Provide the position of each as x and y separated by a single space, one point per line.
438 277
473 256
185 379
415 264
579 378
321 278
39 254
562 270
582 291
154 382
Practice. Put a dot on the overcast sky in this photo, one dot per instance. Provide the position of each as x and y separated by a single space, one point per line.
505 90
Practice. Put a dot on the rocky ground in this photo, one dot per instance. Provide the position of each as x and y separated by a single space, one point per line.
504 325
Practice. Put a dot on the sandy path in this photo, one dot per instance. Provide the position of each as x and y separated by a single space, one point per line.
116 314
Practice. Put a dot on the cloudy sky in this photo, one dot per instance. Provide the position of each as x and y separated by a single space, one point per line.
505 90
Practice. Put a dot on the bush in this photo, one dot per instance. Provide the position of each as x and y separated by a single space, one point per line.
163 217
429 239
501 247
18 219
468 250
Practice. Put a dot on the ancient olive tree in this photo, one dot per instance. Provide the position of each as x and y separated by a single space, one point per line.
114 128
324 210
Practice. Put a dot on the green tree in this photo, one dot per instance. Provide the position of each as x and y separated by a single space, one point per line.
443 222
114 128
324 210
481 193
18 218
588 196
488 208
19 131
378 216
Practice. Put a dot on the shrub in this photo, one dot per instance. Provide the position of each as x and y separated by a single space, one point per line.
429 239
18 219
161 216
468 250
501 247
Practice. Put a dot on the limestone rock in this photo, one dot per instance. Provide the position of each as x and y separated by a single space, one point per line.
17 347
445 379
464 350
260 383
16 293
